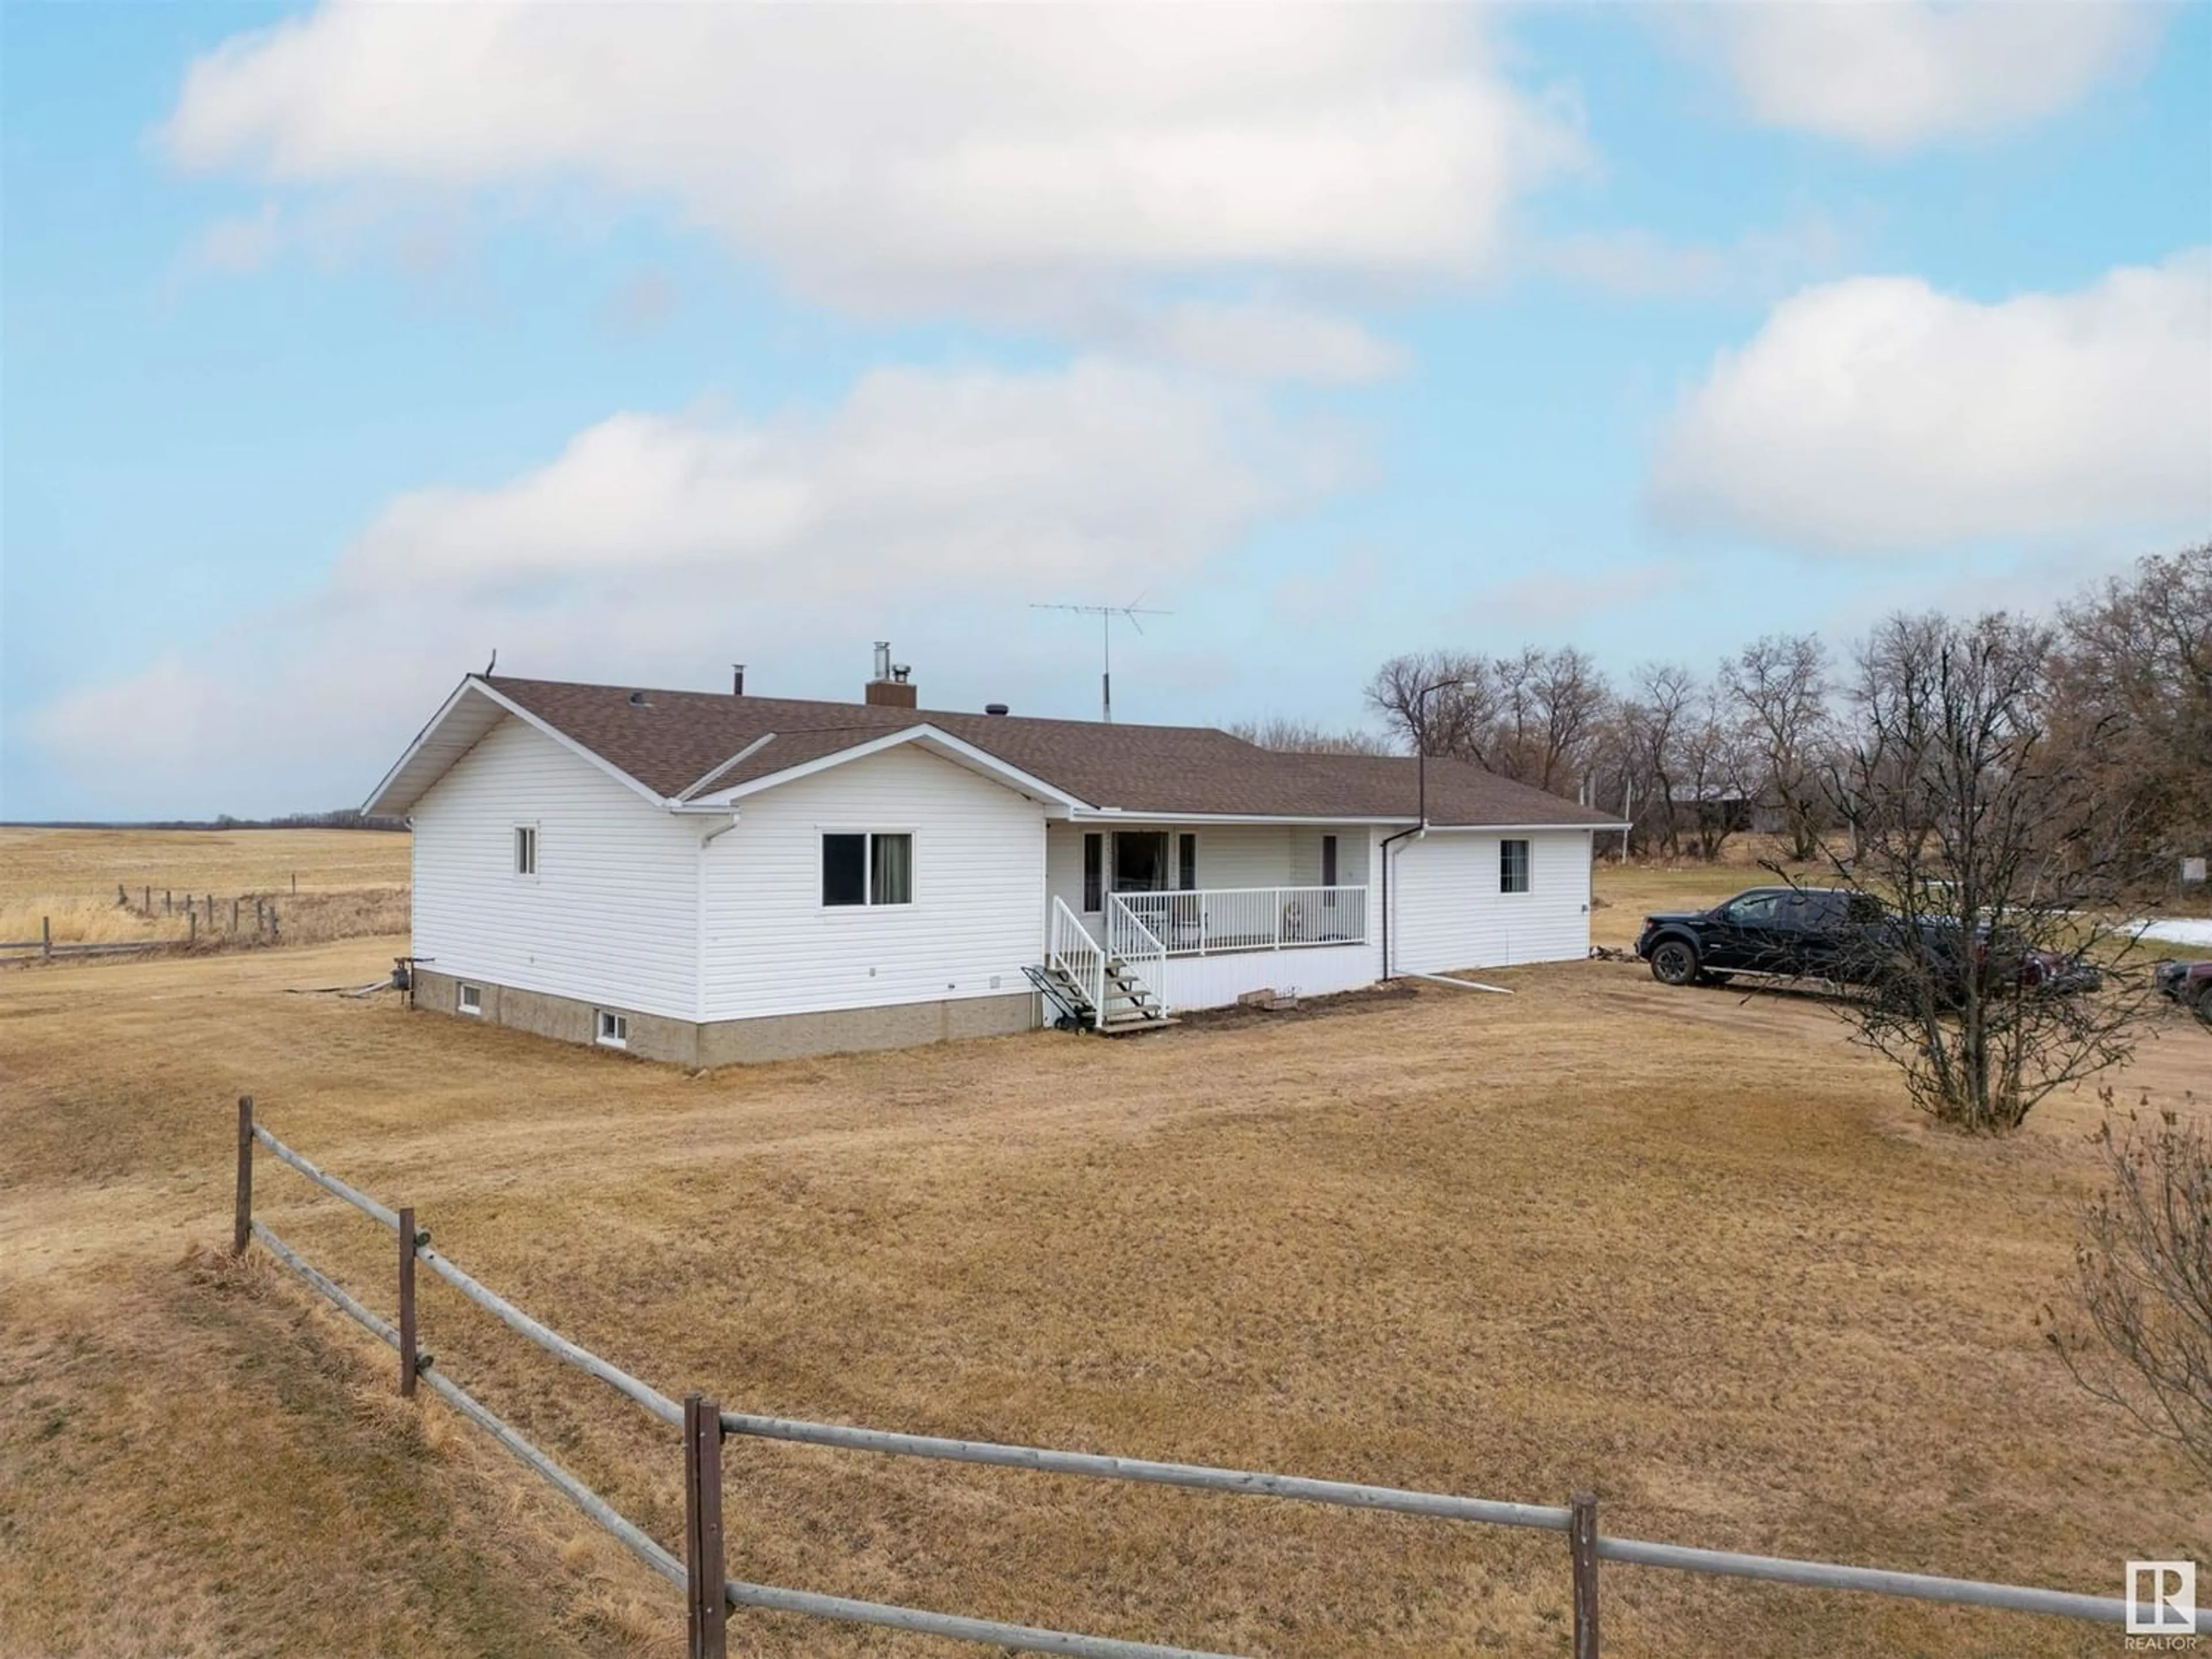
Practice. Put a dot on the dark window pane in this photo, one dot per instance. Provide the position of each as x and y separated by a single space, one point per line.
1186 863
1328 860
1512 866
1140 860
844 869
1094 872
891 871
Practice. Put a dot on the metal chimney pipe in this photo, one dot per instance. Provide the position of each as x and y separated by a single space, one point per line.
737 679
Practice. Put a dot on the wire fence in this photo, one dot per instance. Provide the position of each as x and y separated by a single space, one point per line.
710 1593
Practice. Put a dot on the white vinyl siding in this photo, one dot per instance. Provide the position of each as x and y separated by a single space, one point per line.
1447 911
609 917
773 947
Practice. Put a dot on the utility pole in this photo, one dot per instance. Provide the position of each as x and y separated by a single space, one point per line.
1106 613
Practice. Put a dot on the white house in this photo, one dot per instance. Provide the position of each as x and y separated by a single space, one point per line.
706 878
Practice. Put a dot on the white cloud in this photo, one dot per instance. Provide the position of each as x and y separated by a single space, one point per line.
928 507
898 156
1893 76
1879 415
1262 339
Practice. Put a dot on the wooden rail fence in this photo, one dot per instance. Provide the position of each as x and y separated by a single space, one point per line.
709 1593
204 920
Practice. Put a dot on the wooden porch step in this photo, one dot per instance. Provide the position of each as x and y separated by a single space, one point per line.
1131 1026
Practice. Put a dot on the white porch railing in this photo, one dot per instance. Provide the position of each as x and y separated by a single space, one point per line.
1075 954
1137 946
1212 920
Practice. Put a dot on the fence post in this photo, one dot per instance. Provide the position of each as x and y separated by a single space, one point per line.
242 1227
234 915
192 924
702 1528
46 938
295 881
273 932
149 901
1581 1546
168 902
407 1366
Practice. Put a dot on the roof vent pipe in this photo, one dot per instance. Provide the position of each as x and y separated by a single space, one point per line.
737 679
882 659
996 708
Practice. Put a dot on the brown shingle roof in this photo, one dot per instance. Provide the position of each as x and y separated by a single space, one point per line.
673 740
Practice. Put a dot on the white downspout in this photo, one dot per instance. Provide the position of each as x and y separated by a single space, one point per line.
699 922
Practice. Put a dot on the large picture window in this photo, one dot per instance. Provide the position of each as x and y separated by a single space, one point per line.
1512 866
870 868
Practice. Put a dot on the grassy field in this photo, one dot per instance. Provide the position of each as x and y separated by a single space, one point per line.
328 884
1684 1248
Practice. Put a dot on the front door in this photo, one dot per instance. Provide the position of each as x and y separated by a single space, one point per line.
1140 861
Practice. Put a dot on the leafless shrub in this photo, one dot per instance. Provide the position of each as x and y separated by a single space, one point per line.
2144 1280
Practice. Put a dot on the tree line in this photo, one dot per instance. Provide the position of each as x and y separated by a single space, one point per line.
2120 679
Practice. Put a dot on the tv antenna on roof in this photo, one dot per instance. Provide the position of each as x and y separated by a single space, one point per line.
1106 613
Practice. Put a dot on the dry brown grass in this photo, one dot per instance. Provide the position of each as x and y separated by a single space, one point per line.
350 883
1686 1249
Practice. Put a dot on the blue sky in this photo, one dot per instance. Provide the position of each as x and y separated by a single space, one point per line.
344 344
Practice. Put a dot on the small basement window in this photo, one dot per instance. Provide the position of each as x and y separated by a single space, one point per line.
1512 866
525 849
614 1029
468 998
867 869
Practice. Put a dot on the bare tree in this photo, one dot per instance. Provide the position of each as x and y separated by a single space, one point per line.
2144 1276
1568 697
1779 685
1995 860
1651 722
1716 761
1532 716
2134 671
1282 731
1461 724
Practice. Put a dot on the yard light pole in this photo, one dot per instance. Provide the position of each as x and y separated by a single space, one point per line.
1421 732
1421 765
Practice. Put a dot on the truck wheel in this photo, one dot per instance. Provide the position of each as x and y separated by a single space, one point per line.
1674 961
2204 1004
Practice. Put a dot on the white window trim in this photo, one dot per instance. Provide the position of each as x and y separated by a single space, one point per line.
620 1039
1529 868
822 831
514 849
462 991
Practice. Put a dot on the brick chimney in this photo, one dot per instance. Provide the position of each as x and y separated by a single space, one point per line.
890 688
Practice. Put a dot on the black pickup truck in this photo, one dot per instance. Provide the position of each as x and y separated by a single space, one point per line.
1817 933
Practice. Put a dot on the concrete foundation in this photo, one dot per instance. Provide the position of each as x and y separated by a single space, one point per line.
735 1041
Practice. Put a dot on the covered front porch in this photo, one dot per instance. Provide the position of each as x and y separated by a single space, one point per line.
1197 914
